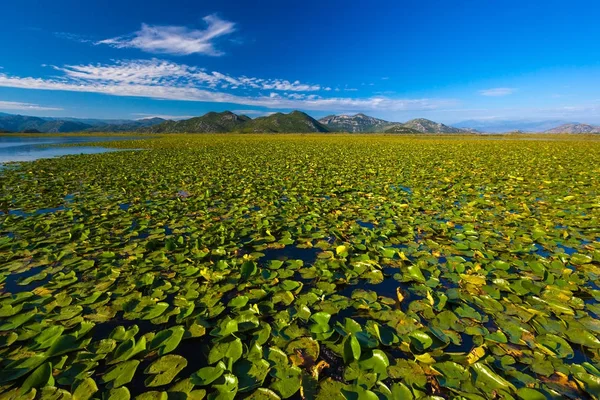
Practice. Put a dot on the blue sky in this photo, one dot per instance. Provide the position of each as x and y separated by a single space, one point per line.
444 60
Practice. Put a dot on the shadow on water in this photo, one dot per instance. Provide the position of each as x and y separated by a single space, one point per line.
560 248
402 188
386 288
581 355
194 350
102 330
542 252
566 249
41 211
11 284
466 344
309 256
363 224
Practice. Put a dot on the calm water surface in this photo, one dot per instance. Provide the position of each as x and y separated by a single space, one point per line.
29 148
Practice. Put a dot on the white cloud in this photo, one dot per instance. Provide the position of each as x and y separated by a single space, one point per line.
72 36
171 81
287 85
156 72
15 105
495 92
175 40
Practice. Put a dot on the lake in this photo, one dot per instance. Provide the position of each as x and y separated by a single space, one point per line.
29 148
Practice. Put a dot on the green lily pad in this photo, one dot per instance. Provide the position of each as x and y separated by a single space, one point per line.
164 370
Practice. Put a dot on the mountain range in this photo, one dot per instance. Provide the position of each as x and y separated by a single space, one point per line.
523 125
227 121
299 122
574 128
25 123
295 121
355 123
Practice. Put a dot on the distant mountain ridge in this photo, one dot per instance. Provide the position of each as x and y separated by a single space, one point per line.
502 126
574 128
364 123
211 122
25 123
226 121
355 123
295 121
223 122
427 126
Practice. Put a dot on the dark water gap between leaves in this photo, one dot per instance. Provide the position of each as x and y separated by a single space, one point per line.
11 284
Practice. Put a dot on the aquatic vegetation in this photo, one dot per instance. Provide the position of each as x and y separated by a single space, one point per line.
317 267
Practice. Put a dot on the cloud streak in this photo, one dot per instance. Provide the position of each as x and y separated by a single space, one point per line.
175 40
165 80
497 92
15 105
155 72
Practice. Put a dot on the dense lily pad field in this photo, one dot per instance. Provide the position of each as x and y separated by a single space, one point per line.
303 267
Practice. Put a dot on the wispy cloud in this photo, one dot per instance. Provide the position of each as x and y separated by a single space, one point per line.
171 81
73 37
156 72
18 106
175 40
496 92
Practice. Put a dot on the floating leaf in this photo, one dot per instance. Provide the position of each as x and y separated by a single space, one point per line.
166 341
208 375
351 349
41 377
120 374
164 370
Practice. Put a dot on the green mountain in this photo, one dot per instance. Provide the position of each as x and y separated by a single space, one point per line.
294 122
58 126
226 121
211 122
28 124
126 126
17 123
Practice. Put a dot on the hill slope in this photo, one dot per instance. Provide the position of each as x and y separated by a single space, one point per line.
400 128
501 126
426 126
211 122
365 123
16 123
574 128
294 122
60 126
355 123
25 123
126 126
